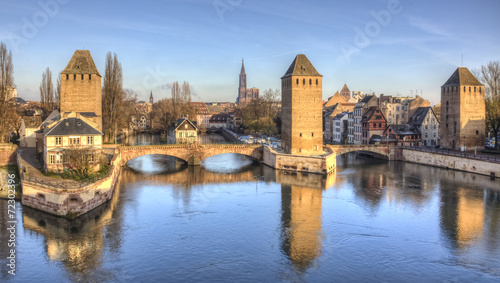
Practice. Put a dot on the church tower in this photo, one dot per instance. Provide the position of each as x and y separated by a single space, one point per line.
151 100
301 96
242 90
81 88
345 93
462 112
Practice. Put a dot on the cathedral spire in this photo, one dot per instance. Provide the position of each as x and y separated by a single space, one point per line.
242 67
151 100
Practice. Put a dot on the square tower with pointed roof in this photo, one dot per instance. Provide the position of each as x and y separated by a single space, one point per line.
81 87
301 98
462 112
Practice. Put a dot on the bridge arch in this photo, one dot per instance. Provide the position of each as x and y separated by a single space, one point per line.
376 149
192 153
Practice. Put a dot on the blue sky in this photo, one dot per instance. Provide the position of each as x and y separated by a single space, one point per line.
382 46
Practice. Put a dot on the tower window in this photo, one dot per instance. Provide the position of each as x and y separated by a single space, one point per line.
74 77
82 77
464 88
67 77
90 77
300 135
312 134
474 89
304 81
469 89
316 81
310 82
477 132
297 81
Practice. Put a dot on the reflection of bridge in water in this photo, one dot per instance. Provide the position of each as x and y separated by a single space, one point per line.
196 175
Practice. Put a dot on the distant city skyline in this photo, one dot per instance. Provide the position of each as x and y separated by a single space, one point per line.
381 46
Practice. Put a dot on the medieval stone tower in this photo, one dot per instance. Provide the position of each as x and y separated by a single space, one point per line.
81 87
301 96
462 112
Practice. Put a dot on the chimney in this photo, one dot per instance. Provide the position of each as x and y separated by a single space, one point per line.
77 115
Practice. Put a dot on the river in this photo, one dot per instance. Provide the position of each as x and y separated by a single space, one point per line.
232 220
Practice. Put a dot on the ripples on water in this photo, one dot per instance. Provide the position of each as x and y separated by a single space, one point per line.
234 220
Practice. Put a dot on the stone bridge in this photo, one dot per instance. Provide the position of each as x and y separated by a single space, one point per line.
380 149
191 153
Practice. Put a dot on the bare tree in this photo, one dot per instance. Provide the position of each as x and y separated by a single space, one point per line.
80 161
47 92
176 98
57 97
261 114
162 115
8 116
489 75
112 96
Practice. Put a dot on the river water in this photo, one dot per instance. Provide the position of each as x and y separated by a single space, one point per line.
232 220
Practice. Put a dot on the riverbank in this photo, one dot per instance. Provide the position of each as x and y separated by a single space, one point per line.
6 172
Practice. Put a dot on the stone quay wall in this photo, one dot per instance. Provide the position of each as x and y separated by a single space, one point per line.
72 201
300 163
8 153
482 167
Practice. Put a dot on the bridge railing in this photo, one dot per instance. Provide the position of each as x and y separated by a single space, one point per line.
465 154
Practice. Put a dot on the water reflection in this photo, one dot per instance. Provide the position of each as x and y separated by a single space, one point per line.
197 218
301 224
78 244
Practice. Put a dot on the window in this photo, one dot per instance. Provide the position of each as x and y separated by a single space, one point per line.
90 77
300 134
74 77
297 81
52 159
310 82
82 77
304 81
312 134
90 140
74 141
58 159
67 77
316 81
185 126
477 132
58 140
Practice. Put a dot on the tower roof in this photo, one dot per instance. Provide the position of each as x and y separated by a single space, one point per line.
81 63
242 72
151 95
301 66
462 76
345 89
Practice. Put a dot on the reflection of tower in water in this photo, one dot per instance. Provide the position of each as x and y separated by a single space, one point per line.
301 224
462 215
